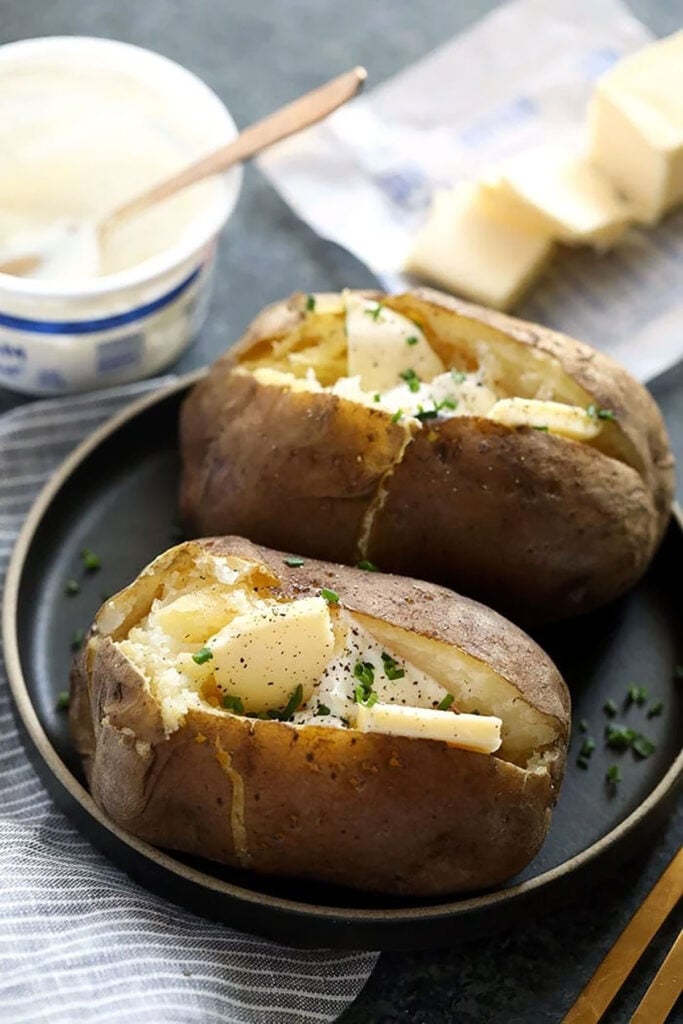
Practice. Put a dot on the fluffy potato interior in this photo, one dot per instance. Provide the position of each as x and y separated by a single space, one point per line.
217 636
424 363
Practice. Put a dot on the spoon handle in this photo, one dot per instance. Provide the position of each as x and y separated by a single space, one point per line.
305 111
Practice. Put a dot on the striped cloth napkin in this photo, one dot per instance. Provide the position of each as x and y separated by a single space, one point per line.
79 941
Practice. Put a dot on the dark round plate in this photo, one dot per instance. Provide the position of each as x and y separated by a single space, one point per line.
117 495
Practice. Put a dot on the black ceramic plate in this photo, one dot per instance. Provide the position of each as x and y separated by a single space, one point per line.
117 495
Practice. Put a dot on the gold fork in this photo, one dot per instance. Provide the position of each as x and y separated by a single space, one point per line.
667 984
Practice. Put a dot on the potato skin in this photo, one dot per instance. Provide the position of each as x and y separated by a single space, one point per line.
539 527
381 813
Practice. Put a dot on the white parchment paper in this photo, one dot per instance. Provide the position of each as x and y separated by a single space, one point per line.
519 79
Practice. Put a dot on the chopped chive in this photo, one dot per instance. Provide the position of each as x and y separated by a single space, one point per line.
541 426
331 596
397 416
91 561
391 667
368 566
636 695
377 397
655 710
412 340
610 708
411 379
613 775
294 562
619 737
587 747
364 671
232 703
292 704
444 704
62 700
642 746
77 640
310 303
458 376
583 725
581 762
596 413
375 313
448 403
427 414
323 709
71 587
201 656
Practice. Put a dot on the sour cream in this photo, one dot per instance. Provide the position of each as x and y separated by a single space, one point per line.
77 140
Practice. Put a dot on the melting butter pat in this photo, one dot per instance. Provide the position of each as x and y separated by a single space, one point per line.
480 733
263 655
569 421
636 126
467 250
564 197
383 344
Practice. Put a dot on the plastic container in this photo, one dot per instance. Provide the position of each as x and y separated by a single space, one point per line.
65 336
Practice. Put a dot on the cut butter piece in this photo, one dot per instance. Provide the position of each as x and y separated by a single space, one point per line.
563 196
194 617
465 249
569 421
383 344
471 732
262 656
636 126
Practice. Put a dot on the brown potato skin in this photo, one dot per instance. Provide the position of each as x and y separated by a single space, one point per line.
537 526
381 813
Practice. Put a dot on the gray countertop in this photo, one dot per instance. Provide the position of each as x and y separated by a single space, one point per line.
257 55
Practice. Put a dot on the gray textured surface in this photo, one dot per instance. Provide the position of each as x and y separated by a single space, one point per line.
257 54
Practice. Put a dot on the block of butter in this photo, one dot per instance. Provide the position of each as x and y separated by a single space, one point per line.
561 195
466 250
636 126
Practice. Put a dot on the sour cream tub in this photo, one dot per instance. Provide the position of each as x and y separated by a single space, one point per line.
84 124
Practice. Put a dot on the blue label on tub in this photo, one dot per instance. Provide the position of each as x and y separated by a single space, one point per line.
120 353
51 380
12 359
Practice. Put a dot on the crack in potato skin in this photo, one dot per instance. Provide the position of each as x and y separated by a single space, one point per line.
237 806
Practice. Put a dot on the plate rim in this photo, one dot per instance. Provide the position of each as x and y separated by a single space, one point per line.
24 708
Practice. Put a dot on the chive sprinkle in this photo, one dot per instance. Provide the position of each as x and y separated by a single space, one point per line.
411 379
412 340
542 427
364 671
323 709
587 747
331 596
201 656
636 695
444 704
377 397
655 710
613 775
642 747
77 640
91 561
458 376
610 708
391 667
583 725
582 762
375 312
368 566
397 416
62 700
310 303
71 587
232 703
426 414
619 737
294 562
292 704
596 413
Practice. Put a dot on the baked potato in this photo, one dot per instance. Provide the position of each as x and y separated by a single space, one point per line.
435 439
299 718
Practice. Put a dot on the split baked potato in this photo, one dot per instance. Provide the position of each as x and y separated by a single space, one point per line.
435 439
298 718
